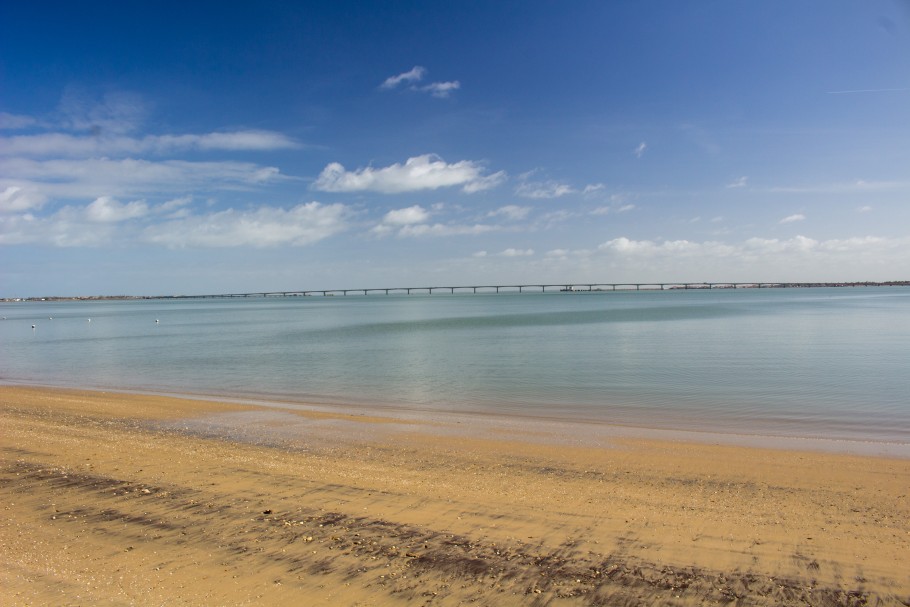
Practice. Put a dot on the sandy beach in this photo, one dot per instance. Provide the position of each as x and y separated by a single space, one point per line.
125 499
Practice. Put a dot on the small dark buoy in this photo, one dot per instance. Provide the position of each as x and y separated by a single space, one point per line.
33 326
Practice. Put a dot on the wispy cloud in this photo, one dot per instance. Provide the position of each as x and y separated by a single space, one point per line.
548 220
114 113
93 177
107 222
511 212
543 189
415 75
301 225
87 156
640 149
15 122
766 259
517 252
859 185
427 172
414 222
739 182
793 218
751 249
67 145
444 229
441 89
606 210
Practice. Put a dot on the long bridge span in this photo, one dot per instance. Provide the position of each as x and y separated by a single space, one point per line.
521 288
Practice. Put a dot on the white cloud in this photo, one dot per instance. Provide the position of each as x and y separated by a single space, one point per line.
415 74
480 254
856 244
557 216
414 222
487 182
752 249
517 253
66 145
593 187
408 216
739 182
800 258
543 189
511 212
860 185
613 209
441 89
116 112
793 218
773 245
264 227
106 222
14 199
174 208
864 209
249 140
647 247
68 227
426 172
440 229
639 151
95 177
14 121
108 210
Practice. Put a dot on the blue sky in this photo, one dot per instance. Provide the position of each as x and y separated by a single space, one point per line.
163 148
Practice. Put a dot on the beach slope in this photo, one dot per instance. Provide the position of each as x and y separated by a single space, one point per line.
122 499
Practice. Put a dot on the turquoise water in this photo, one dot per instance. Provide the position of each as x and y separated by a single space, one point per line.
793 362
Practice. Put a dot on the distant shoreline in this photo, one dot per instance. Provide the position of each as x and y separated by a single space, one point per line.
568 287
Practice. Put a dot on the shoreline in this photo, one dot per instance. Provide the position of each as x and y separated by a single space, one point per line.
574 430
120 499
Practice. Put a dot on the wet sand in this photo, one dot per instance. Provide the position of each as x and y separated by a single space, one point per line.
122 499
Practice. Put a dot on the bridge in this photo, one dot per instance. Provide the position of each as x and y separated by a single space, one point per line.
536 288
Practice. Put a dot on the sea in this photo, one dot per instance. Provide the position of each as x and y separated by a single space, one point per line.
830 363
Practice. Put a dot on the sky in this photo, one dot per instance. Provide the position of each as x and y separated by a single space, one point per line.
161 148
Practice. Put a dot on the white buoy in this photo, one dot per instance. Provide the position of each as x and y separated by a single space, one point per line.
90 320
33 326
157 321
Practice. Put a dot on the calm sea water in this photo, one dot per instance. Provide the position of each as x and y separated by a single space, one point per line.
829 363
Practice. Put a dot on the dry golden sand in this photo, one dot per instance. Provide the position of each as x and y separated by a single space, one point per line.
103 504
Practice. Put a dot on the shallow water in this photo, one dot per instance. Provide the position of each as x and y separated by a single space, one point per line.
790 362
